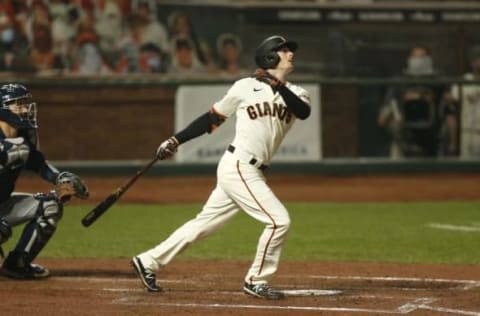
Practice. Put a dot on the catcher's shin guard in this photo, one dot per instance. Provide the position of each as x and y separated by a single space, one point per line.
38 232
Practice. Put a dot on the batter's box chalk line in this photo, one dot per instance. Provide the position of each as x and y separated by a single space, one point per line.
414 306
463 284
303 292
309 292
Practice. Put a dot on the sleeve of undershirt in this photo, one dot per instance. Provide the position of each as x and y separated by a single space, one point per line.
205 123
297 104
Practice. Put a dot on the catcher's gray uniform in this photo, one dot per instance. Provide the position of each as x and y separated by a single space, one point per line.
41 213
23 207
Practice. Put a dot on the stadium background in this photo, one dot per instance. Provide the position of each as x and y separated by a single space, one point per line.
354 60
110 126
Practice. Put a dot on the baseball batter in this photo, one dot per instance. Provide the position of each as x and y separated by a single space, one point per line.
266 106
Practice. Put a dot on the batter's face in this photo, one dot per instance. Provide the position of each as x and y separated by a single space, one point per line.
286 60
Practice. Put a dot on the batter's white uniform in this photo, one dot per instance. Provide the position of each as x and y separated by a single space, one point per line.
262 122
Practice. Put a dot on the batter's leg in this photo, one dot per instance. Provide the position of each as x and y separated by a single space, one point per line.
256 198
217 211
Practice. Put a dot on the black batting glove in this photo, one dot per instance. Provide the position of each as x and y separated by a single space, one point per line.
168 148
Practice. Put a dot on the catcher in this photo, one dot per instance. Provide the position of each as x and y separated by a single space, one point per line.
39 212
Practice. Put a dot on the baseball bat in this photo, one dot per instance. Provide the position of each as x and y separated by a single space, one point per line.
103 206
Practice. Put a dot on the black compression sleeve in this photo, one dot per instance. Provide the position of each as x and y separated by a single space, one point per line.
294 103
205 123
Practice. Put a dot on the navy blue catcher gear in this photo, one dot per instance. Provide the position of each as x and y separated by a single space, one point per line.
266 56
5 233
14 93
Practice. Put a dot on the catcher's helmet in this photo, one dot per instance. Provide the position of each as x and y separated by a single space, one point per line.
13 93
266 56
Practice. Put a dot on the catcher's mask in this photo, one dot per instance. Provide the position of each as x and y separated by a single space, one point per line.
266 56
17 99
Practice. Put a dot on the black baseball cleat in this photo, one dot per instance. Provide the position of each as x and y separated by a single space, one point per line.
29 272
147 276
262 290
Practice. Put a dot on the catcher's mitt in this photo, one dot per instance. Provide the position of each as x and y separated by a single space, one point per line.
68 185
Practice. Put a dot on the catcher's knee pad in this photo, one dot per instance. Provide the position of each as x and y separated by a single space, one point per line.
50 212
5 231
49 209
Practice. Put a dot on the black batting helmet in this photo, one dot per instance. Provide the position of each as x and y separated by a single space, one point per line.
266 56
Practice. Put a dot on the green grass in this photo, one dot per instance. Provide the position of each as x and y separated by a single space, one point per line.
380 232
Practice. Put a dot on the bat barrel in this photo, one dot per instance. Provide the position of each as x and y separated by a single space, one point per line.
103 206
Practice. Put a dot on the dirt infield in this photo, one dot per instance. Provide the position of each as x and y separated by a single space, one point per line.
109 287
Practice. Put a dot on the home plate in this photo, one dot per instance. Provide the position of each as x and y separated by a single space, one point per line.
312 292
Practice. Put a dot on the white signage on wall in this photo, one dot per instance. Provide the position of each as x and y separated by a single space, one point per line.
302 143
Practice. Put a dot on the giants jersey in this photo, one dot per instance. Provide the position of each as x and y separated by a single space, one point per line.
262 120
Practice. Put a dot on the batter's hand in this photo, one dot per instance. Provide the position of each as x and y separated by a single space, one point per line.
264 76
168 148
